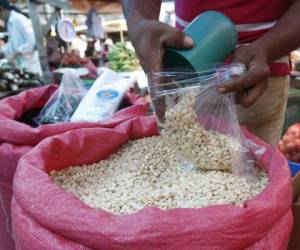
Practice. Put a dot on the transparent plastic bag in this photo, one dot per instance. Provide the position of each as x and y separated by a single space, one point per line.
64 101
200 123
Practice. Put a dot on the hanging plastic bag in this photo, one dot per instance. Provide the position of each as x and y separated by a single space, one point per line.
94 24
64 101
200 123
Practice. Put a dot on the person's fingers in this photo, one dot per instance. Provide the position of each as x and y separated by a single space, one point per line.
176 38
164 36
250 96
257 73
238 83
240 95
151 46
152 62
188 42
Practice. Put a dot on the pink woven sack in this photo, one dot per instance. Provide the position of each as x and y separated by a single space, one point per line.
46 217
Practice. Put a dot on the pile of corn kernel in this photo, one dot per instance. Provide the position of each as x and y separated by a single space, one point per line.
152 172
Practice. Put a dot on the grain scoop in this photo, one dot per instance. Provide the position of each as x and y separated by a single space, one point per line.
214 36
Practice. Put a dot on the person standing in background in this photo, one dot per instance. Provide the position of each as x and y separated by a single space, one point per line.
20 46
54 51
268 31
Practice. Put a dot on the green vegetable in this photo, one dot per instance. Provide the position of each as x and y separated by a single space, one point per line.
122 59
14 80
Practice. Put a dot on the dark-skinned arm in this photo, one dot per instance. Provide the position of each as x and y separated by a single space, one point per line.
278 42
149 36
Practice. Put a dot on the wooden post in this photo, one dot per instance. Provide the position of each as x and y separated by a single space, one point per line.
121 36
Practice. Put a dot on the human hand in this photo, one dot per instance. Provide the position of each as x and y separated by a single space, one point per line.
151 37
251 85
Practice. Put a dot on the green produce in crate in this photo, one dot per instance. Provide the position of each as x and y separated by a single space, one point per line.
15 79
122 59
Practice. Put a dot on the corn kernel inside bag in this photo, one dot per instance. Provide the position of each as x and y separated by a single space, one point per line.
204 149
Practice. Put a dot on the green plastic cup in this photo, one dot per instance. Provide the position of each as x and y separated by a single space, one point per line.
215 37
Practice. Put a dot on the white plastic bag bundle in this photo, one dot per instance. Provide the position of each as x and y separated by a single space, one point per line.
103 98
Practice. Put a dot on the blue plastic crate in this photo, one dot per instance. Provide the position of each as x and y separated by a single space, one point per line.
294 167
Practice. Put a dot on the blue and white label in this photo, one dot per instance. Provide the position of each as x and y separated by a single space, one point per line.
107 94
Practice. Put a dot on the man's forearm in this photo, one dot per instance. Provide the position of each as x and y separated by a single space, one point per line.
136 10
284 37
149 36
